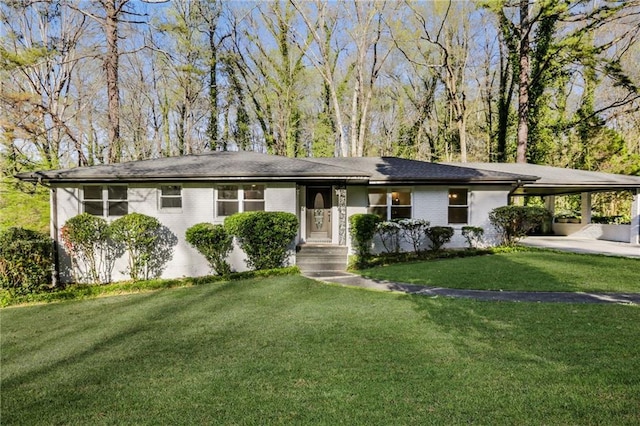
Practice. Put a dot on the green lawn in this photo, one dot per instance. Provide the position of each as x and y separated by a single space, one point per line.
529 270
288 350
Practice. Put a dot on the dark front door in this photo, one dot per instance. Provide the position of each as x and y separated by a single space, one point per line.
319 214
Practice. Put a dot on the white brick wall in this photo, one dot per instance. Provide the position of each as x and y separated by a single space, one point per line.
430 203
197 206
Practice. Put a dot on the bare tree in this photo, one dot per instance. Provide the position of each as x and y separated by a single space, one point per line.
40 56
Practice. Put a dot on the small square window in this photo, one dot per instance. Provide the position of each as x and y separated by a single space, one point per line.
170 197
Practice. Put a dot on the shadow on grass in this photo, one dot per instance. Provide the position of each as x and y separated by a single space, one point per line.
101 346
103 339
530 271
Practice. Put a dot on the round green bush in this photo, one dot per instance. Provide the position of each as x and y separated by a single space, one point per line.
139 234
85 238
214 243
439 236
265 237
26 260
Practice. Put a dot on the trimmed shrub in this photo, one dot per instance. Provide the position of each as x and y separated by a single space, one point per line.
439 236
414 232
26 261
389 233
265 237
214 243
514 222
362 227
139 234
86 240
473 235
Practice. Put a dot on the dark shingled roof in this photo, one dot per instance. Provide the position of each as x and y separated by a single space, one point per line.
560 180
393 169
244 165
228 165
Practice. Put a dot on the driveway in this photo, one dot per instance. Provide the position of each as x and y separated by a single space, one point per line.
583 245
570 244
353 280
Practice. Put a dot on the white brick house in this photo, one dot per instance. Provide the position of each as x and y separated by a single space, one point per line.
321 192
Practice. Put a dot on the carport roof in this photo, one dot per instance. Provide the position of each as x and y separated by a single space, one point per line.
558 180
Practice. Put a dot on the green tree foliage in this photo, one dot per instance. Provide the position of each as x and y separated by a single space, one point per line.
214 243
265 237
139 234
21 205
26 260
86 240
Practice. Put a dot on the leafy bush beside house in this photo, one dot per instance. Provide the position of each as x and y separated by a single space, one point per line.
414 232
473 235
214 243
265 237
389 233
139 234
439 236
86 239
26 260
362 227
514 222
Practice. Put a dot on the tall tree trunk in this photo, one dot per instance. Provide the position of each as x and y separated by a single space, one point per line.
212 130
111 69
523 82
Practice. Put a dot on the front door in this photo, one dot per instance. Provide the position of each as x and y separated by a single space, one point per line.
319 214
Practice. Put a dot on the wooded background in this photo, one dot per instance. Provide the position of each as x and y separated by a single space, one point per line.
549 82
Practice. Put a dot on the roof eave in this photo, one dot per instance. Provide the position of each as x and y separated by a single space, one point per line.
160 179
449 181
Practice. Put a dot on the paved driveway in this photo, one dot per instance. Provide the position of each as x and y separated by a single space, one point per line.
571 244
354 280
584 245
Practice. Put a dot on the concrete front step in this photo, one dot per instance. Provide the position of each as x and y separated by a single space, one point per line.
321 258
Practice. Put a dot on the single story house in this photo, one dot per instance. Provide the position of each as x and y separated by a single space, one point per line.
321 192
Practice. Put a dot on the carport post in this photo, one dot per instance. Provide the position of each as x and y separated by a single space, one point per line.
550 204
586 208
634 234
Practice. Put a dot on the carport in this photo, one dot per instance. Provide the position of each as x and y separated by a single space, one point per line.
556 181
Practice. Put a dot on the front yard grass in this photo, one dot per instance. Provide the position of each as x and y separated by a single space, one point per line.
522 270
289 350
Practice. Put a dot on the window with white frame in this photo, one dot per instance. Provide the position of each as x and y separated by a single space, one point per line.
170 197
232 199
253 198
390 203
228 200
105 200
458 206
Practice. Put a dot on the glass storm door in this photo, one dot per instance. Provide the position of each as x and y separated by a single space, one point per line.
319 214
